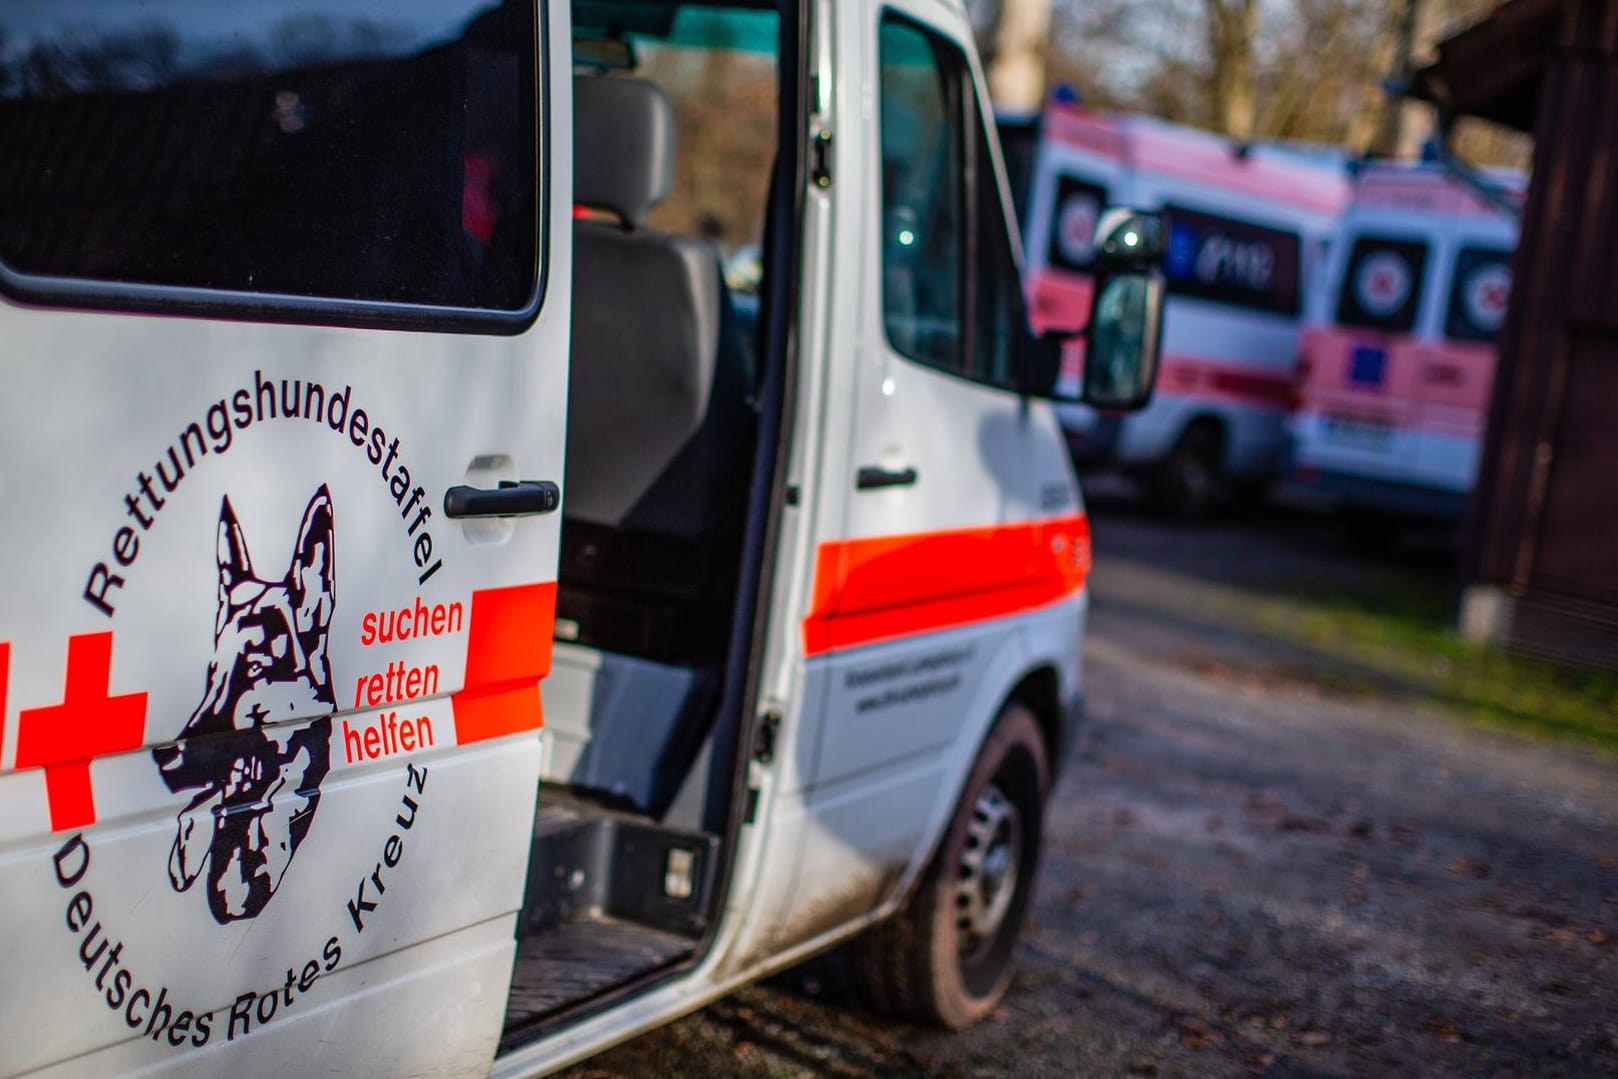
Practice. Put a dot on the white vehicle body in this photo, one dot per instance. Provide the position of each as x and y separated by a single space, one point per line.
1398 358
311 747
1248 230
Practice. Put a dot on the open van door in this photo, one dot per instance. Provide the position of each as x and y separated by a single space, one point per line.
280 439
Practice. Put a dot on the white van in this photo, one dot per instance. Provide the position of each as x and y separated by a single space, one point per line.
441 631
1248 226
1398 360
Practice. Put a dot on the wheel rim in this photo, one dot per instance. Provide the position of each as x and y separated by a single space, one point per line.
990 869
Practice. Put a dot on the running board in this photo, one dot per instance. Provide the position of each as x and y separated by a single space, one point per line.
594 868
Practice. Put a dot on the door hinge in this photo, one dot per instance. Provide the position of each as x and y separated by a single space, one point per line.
769 726
820 159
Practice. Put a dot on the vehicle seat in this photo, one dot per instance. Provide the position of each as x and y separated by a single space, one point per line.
660 430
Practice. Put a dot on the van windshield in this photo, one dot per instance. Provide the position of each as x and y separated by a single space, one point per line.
1233 262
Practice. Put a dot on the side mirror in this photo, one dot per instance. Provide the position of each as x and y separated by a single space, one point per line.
1126 312
1125 331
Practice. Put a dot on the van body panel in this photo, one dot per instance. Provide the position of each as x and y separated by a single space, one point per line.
283 772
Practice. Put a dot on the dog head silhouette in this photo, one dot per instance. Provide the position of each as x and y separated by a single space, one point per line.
249 751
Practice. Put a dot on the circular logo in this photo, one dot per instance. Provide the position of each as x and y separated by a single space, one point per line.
1076 227
1486 295
1382 285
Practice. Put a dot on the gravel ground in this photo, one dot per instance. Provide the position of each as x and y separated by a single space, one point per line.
1247 875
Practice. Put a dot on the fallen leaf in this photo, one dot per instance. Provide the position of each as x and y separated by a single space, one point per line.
1445 1031
1314 1038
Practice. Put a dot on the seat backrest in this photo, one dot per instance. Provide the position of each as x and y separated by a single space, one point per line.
659 384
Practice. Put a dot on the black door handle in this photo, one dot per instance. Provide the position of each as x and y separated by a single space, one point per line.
872 478
513 498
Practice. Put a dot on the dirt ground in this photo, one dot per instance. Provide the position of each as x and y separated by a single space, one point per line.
1247 874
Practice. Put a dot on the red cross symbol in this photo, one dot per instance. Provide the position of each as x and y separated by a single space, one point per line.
88 723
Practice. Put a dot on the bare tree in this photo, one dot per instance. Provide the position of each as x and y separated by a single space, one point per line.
1308 70
1232 30
1014 39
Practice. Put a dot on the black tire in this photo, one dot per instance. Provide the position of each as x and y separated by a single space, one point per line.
1189 481
946 957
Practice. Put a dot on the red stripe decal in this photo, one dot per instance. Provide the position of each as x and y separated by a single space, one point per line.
5 670
876 589
88 723
508 651
1192 376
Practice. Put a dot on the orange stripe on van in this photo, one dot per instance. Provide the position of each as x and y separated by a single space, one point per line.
869 590
508 651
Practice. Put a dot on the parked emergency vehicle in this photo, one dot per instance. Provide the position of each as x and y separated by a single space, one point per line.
1398 360
1248 229
441 632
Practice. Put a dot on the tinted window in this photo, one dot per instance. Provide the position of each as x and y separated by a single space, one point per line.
1073 222
1382 284
355 149
922 198
1480 294
1232 262
998 315
1019 147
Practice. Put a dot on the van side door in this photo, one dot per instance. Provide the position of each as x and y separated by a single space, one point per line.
284 293
953 480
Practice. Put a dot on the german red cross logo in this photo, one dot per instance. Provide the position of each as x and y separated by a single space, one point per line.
90 722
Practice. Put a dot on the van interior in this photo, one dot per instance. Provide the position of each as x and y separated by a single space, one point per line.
676 112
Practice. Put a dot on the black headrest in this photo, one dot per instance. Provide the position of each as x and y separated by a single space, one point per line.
623 145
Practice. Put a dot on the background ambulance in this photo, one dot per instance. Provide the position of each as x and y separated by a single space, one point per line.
1248 228
1398 360
441 631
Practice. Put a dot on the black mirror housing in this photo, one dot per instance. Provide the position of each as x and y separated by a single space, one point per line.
1128 240
1037 363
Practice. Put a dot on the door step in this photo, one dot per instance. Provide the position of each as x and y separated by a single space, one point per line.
610 866
573 961
610 898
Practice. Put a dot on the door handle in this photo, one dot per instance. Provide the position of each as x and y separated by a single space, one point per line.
873 478
513 498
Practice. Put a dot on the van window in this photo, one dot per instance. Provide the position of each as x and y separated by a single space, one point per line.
923 205
1382 284
1073 223
1479 295
352 150
1227 261
998 315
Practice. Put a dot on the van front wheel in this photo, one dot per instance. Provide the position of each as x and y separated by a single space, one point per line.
946 958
